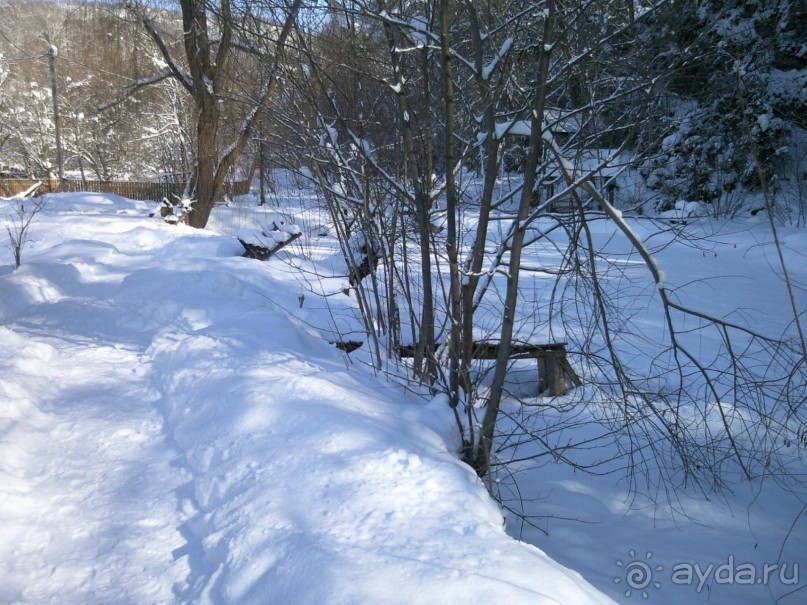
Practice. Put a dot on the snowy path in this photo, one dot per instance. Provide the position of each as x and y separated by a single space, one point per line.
168 434
86 476
87 496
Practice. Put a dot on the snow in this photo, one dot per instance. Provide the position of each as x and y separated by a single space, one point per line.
684 210
490 67
556 121
274 230
788 86
176 427
515 128
764 121
261 238
418 31
601 524
170 432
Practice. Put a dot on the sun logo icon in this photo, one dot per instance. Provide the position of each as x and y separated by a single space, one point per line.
638 574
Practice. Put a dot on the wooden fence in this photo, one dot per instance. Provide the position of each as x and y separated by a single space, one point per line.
129 189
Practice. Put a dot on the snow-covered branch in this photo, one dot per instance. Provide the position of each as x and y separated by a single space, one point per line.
180 74
135 87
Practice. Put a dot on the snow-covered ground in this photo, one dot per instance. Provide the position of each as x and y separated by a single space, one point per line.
176 427
169 432
646 541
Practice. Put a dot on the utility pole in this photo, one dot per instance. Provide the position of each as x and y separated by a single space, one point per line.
261 174
52 52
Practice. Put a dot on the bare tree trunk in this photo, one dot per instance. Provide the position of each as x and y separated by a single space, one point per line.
489 168
453 243
481 462
205 83
425 365
206 190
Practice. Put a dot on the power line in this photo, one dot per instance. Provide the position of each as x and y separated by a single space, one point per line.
19 59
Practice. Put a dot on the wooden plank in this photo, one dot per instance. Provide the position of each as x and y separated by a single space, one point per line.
553 367
490 350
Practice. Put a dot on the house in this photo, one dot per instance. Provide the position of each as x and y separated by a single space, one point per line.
596 162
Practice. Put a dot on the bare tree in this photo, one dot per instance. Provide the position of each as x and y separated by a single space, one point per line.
21 212
212 35
98 53
452 153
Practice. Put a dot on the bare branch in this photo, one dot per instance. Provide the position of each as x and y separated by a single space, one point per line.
136 87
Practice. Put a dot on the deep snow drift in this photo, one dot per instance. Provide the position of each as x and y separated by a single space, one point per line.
169 433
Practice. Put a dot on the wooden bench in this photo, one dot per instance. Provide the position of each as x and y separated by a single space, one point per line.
553 367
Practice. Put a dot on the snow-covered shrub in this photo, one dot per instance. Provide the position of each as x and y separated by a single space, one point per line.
729 104
683 211
713 151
